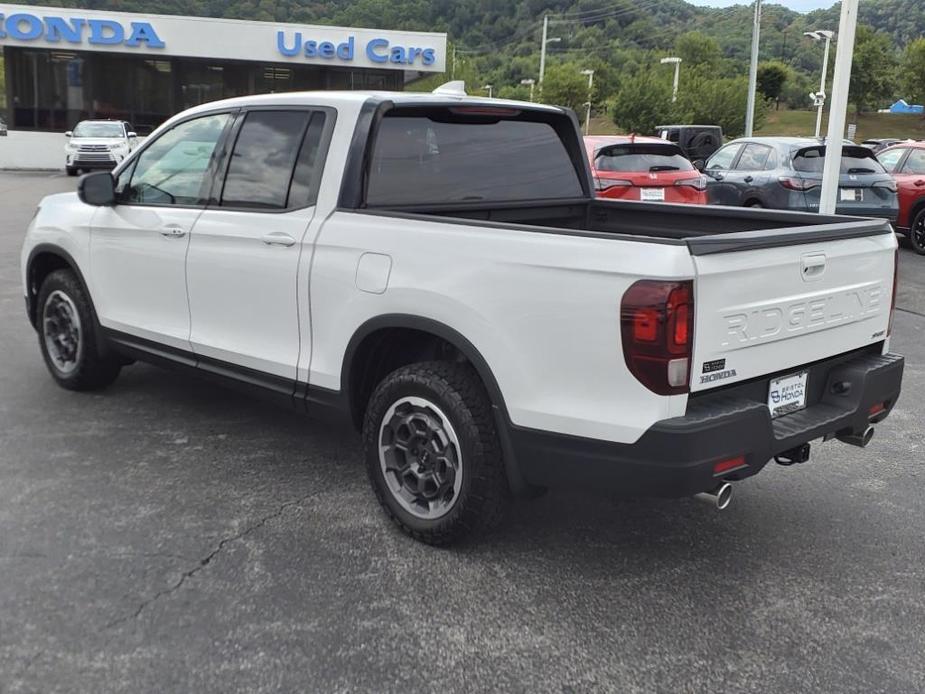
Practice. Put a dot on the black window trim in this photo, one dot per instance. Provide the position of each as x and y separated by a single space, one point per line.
132 160
220 176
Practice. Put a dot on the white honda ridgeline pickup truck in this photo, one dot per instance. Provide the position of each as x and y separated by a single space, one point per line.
436 269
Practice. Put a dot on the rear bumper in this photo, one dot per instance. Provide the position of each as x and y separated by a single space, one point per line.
676 456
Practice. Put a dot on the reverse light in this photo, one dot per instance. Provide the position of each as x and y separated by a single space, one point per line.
605 183
698 183
797 183
657 326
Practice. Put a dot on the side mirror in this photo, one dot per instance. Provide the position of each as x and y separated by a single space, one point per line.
131 135
699 164
69 133
98 189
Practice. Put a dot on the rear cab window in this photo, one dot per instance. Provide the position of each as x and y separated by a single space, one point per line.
445 155
641 157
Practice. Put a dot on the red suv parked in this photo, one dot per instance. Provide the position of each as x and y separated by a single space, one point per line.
643 168
906 161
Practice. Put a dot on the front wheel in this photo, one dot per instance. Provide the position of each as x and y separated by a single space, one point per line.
67 335
71 171
432 452
917 233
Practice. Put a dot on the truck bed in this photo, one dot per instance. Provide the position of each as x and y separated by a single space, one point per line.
704 229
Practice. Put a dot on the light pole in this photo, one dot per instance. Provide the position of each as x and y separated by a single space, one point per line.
847 26
677 73
489 87
820 95
532 83
753 72
590 74
546 41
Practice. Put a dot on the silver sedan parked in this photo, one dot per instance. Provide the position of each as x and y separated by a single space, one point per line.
785 173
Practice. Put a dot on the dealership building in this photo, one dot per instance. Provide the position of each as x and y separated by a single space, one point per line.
65 65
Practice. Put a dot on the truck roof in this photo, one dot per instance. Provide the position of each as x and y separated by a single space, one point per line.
343 98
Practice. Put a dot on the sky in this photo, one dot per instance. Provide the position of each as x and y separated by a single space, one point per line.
798 5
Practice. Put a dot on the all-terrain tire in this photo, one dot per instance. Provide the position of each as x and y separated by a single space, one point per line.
451 393
92 368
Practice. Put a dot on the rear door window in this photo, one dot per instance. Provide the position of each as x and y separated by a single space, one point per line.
915 164
641 157
263 159
754 157
442 158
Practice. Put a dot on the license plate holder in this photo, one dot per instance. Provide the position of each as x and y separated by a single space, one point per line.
787 394
851 194
652 194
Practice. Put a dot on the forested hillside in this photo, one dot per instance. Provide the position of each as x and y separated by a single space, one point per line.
497 42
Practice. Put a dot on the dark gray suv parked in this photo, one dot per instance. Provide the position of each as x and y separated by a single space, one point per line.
785 173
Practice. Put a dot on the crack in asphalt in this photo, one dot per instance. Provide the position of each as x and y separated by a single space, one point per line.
204 562
909 310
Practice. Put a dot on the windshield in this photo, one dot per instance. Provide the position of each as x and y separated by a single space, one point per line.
854 160
641 157
98 130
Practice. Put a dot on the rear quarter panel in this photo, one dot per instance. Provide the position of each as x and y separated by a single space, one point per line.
542 309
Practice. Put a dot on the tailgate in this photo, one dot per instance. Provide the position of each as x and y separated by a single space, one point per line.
766 310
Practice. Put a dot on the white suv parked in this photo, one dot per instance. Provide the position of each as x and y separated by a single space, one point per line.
98 144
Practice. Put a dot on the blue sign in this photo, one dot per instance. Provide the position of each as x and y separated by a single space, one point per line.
75 30
376 50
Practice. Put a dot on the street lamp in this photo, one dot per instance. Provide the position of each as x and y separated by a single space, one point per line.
532 83
819 97
590 74
489 87
677 70
546 41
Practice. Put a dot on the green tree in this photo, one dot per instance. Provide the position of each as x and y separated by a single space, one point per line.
696 49
719 102
642 102
913 72
772 76
873 70
564 85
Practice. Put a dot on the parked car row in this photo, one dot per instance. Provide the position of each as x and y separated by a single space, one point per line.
906 163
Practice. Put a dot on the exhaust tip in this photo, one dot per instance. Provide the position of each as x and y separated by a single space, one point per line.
719 497
723 496
860 438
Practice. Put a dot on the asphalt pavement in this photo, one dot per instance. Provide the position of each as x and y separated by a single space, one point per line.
168 535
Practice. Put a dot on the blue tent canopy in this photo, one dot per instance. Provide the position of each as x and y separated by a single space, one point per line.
902 107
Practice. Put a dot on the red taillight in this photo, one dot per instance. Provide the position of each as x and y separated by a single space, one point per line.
727 465
605 183
889 327
796 183
657 325
698 183
876 409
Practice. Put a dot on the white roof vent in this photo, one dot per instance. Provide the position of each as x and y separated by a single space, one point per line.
455 88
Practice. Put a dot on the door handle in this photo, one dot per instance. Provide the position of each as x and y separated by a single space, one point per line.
278 238
173 231
749 179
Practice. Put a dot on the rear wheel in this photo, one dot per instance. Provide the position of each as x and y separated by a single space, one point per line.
432 452
67 335
917 232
